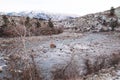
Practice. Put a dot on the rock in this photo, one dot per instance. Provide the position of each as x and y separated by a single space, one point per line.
1 69
104 29
117 29
14 57
52 45
6 58
3 45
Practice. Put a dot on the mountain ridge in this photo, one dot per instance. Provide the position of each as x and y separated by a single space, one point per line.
40 14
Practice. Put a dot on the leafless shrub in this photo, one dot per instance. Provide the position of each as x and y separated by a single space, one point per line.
47 31
21 67
31 72
115 59
19 70
70 71
67 72
88 66
34 27
101 62
59 74
94 67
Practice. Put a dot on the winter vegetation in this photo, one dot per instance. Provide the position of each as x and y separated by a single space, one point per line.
15 26
82 48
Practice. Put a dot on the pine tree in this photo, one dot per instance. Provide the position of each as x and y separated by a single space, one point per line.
112 11
50 24
27 22
38 24
113 24
5 25
5 19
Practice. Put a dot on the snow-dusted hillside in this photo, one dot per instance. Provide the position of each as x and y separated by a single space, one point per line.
42 15
96 22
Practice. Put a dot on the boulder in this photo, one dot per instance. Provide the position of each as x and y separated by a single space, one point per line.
1 69
52 45
104 29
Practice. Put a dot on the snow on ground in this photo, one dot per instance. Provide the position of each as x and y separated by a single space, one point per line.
68 45
109 74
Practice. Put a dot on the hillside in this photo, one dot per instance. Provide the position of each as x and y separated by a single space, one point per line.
92 22
118 11
38 23
14 26
82 48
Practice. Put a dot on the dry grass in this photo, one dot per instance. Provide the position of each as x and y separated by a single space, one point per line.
101 62
71 70
20 64
34 27
47 31
115 59
67 72
19 69
26 69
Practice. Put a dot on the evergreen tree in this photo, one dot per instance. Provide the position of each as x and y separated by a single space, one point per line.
5 25
113 24
50 24
38 24
27 22
5 19
112 11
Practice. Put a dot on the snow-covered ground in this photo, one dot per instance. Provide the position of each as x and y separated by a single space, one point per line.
81 45
77 45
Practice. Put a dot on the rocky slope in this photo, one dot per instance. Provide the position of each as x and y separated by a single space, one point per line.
118 12
92 22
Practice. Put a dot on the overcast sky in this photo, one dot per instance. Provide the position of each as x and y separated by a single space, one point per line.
79 7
